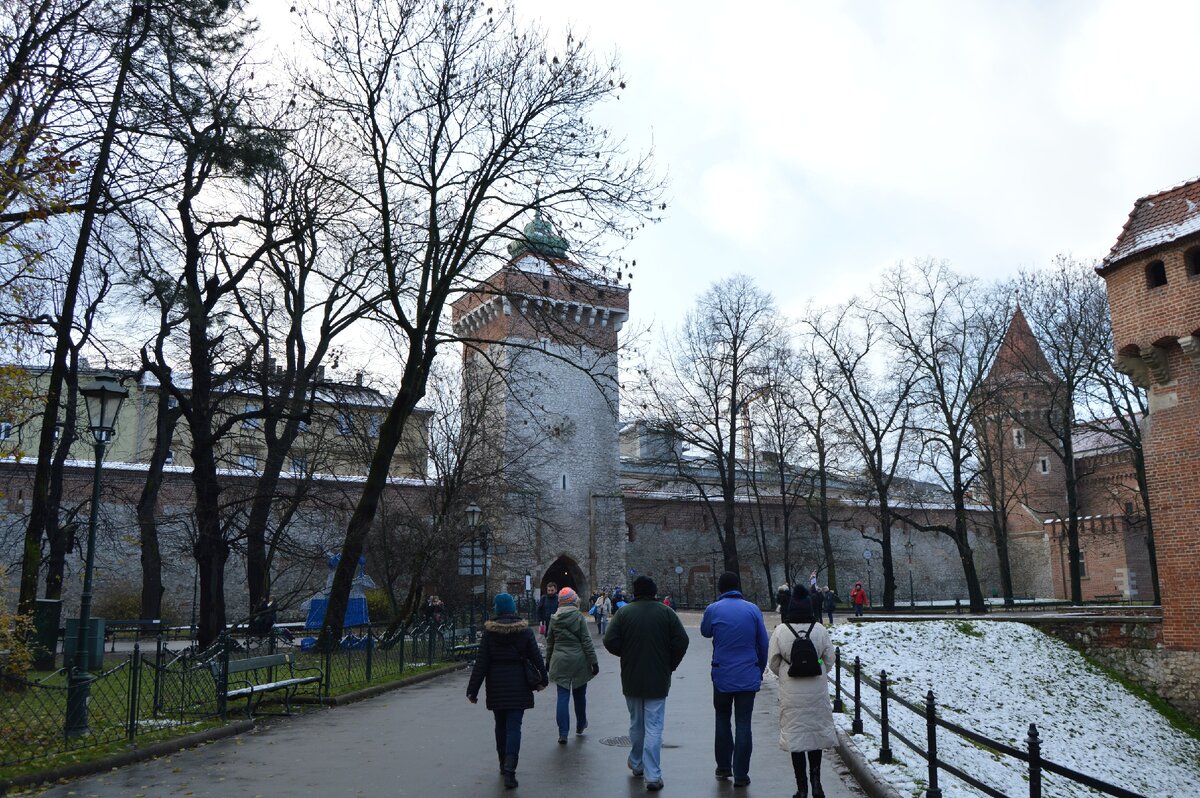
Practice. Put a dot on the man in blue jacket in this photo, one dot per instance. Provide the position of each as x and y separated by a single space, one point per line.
739 657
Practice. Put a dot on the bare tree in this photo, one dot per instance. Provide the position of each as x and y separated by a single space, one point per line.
946 331
874 411
1066 309
700 391
456 123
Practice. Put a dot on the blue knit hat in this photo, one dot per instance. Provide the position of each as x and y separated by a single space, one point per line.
505 604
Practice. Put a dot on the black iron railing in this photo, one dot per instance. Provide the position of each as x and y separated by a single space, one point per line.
1031 755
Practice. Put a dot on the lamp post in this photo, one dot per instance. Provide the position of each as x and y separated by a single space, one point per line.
678 583
529 593
870 581
473 514
908 548
103 399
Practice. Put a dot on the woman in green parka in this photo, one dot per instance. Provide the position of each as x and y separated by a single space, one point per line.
572 659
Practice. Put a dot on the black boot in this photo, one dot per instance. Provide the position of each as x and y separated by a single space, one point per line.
814 774
510 771
798 766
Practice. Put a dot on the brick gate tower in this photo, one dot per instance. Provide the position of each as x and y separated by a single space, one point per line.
1153 277
547 329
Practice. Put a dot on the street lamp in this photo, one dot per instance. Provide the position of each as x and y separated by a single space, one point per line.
870 582
103 399
473 514
908 547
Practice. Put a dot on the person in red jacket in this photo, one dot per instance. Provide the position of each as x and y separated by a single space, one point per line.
858 597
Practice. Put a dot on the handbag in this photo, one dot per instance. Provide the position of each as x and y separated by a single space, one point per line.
533 677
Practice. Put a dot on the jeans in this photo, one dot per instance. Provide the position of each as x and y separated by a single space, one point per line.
858 608
731 748
601 624
646 717
829 612
564 708
508 730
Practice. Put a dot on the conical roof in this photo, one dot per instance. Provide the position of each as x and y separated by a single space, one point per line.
1019 353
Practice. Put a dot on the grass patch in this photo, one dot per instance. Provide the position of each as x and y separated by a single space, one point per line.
95 752
343 689
967 628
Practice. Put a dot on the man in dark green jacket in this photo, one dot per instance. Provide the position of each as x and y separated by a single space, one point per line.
651 642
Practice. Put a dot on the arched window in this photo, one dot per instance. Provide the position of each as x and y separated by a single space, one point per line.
1191 260
1156 274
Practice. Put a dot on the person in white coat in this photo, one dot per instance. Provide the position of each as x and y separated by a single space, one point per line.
805 712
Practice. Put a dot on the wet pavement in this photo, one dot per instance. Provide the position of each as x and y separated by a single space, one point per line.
427 740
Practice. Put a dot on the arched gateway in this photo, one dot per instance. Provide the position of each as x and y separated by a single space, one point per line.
565 572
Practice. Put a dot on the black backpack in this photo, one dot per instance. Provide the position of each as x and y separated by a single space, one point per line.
804 660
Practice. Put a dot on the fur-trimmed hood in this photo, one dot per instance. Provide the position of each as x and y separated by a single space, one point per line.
506 625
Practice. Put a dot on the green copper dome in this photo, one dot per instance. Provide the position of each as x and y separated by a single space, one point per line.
539 238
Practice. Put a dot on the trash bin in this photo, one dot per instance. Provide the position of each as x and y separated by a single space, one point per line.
95 649
46 616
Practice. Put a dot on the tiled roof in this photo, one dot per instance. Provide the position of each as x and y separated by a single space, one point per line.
1019 353
1157 219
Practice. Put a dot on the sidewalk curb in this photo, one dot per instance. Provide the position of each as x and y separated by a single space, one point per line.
161 748
866 777
378 689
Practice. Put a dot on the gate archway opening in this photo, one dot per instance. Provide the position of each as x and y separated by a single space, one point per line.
565 572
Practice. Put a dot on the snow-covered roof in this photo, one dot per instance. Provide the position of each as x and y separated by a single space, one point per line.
1155 220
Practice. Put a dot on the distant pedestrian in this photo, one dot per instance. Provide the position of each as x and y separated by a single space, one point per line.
667 600
859 598
573 662
651 642
739 657
828 602
812 583
507 651
263 619
546 607
604 610
782 597
805 714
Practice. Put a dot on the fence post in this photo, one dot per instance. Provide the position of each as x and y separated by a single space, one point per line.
403 631
933 791
1035 762
328 669
838 706
885 751
223 682
158 666
856 727
135 670
429 648
370 648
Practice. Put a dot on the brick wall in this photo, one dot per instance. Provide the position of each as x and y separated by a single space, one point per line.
1151 326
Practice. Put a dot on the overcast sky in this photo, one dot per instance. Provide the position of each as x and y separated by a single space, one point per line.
812 144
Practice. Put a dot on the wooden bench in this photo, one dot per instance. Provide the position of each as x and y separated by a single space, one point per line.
230 689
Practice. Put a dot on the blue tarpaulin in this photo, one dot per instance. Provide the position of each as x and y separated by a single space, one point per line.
356 612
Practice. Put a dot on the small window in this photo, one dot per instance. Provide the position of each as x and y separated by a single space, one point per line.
345 424
1128 508
172 403
248 462
1019 438
251 423
1156 274
1083 574
564 481
5 430
1191 260
545 285
1044 465
373 424
170 459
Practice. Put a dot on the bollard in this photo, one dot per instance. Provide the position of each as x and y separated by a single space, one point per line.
958 606
885 750
135 671
856 727
838 706
1035 762
933 790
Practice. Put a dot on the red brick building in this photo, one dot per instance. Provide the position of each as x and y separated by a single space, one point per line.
1153 279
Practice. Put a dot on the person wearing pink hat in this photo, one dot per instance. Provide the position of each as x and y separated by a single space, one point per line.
572 659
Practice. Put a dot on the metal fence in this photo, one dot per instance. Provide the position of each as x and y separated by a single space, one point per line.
928 748
153 690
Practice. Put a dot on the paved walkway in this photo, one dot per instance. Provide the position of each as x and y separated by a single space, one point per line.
426 740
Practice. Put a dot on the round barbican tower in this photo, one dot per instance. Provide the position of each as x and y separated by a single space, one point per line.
541 333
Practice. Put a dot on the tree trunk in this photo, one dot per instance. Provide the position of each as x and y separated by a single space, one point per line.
147 507
885 539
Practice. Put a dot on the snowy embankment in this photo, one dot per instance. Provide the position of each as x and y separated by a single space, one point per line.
996 678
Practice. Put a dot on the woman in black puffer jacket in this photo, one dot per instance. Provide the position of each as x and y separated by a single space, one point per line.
506 645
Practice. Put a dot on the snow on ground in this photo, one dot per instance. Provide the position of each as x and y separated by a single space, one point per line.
996 678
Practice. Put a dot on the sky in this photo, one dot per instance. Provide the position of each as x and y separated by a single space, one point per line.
814 144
